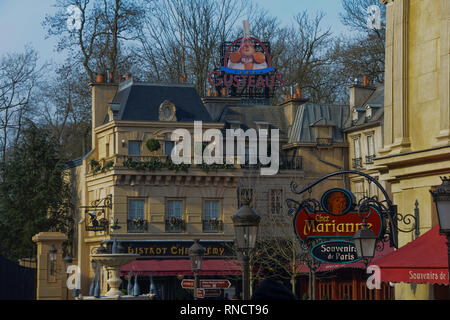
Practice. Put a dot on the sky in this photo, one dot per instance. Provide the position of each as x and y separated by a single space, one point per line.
21 21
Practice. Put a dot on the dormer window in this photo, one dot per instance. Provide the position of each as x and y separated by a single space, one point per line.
354 115
368 112
167 111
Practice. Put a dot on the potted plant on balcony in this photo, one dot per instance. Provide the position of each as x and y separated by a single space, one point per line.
175 222
214 223
139 223
153 145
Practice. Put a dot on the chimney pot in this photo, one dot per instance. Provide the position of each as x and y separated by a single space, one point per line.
100 78
128 76
299 92
365 81
209 92
111 77
224 92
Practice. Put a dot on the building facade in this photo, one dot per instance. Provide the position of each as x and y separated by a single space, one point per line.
416 129
129 180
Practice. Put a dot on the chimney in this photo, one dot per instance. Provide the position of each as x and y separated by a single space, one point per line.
290 106
128 76
102 95
360 93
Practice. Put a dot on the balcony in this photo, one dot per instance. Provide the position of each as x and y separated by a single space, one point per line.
212 226
295 163
137 226
324 142
175 225
370 159
357 163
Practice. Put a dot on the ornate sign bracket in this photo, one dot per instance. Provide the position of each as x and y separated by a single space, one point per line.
98 217
390 218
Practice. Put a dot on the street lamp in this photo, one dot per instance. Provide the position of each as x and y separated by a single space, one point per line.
365 241
441 197
52 254
196 252
246 222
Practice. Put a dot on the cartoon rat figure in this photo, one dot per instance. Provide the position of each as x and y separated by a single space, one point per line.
247 58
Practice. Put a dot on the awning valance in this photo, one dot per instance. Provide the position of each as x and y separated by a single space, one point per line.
423 260
174 267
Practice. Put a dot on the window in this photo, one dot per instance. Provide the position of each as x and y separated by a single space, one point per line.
212 210
370 146
134 148
244 195
357 161
276 196
136 216
174 216
356 147
368 112
135 209
168 147
174 209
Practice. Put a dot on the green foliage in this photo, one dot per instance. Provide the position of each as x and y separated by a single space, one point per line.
156 164
96 166
153 145
34 194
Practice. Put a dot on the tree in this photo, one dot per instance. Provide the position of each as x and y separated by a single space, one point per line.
181 40
34 193
364 53
19 74
65 108
98 40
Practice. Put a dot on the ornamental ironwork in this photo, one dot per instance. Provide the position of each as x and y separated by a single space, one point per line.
337 216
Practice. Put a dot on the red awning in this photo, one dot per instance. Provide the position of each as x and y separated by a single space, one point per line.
324 267
423 260
173 267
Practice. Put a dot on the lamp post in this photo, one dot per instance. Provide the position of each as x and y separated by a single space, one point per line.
52 253
441 197
246 222
196 252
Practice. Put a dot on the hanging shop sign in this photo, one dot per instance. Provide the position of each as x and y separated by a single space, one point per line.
336 217
96 220
335 252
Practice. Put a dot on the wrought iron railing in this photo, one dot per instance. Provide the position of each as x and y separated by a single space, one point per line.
370 159
357 163
137 226
175 225
212 225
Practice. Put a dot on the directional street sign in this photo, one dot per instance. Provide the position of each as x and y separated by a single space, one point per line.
206 284
200 293
215 284
187 283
